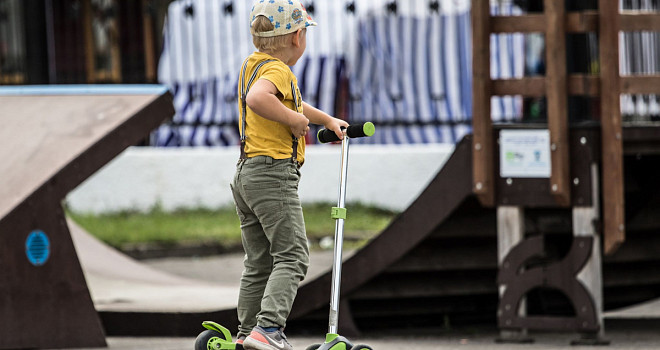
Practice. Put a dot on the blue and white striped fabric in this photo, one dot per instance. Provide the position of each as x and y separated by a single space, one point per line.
638 55
411 72
507 52
204 45
203 50
408 71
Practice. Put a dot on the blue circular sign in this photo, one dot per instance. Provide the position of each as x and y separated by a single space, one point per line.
37 247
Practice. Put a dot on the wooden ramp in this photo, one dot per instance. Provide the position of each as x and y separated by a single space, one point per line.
438 259
363 273
55 137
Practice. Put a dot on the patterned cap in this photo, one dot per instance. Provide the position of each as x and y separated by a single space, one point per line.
287 16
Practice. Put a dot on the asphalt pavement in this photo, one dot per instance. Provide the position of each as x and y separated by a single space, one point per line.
629 339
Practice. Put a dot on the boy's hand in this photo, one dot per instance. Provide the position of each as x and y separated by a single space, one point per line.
335 125
299 126
319 117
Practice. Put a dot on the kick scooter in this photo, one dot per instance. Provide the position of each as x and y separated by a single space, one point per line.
333 341
217 337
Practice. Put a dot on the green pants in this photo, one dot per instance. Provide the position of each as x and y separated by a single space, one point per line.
274 239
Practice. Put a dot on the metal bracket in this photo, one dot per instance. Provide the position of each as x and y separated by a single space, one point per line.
338 213
561 275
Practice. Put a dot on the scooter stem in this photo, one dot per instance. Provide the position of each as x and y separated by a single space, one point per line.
339 242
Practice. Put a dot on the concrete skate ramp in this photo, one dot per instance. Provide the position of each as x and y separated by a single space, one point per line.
119 283
53 138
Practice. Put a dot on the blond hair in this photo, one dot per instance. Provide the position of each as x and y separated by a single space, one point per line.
275 43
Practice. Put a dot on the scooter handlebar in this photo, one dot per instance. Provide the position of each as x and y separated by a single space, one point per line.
353 131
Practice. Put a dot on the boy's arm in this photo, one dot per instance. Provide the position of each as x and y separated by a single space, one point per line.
317 116
262 99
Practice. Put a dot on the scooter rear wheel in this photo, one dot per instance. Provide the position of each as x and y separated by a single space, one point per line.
209 340
361 347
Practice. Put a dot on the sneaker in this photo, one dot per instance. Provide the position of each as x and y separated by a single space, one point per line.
239 342
259 339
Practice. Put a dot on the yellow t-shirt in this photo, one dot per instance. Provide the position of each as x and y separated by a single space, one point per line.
266 137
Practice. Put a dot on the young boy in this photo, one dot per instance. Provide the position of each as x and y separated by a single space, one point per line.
273 123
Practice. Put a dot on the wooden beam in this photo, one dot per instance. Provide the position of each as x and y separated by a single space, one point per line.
584 85
555 83
582 22
640 84
529 87
633 21
12 78
518 24
575 22
482 128
578 84
612 143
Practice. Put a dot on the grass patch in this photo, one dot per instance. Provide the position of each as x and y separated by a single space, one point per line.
221 226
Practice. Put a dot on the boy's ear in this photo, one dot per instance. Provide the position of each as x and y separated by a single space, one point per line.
296 38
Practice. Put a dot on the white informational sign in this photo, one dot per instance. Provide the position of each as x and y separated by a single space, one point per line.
525 153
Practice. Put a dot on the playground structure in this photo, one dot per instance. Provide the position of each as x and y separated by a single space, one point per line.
575 180
439 259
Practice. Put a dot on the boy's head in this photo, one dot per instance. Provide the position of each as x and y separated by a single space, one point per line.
273 21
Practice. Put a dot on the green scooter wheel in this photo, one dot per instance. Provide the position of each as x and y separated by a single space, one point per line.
361 347
211 340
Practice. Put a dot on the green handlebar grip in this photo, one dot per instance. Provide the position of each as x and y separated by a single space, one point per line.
353 131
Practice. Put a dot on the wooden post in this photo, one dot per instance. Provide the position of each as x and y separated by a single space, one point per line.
147 30
510 229
591 275
510 232
556 93
612 144
482 129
